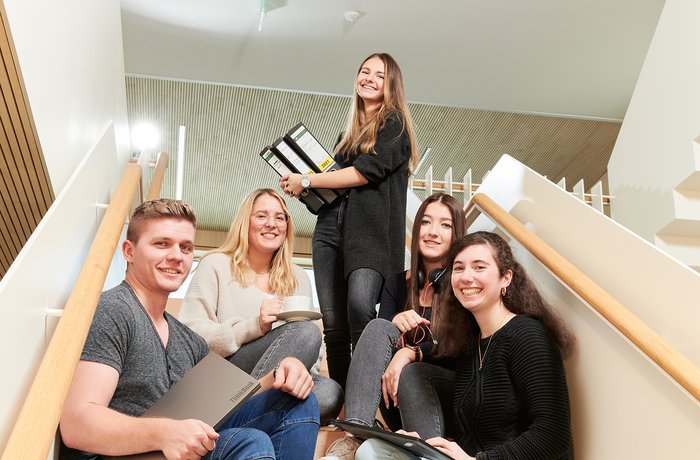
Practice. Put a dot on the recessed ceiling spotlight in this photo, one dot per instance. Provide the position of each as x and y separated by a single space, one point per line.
144 136
353 16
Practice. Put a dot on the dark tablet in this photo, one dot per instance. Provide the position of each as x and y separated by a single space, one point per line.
416 446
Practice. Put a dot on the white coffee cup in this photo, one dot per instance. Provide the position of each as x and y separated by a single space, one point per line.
297 303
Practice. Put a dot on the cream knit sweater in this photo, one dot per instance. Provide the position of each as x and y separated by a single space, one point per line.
221 311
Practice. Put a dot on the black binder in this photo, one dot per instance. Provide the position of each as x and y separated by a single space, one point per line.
297 164
312 201
316 156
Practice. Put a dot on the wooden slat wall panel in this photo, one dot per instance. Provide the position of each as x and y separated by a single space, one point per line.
228 125
25 187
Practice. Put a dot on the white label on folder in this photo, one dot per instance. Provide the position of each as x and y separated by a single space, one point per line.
276 163
299 163
313 149
293 157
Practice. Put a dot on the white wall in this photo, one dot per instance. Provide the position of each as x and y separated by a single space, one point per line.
653 153
71 60
70 55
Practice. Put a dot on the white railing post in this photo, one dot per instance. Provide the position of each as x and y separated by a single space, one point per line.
594 197
597 196
579 191
448 181
562 183
467 186
429 181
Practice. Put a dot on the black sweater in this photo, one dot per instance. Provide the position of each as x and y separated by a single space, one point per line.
517 406
375 218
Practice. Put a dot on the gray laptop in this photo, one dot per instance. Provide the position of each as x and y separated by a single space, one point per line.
211 391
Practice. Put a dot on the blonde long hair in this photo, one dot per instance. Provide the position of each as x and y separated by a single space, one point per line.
361 133
282 279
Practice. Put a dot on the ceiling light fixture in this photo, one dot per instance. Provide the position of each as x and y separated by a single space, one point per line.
180 171
144 136
353 16
263 10
424 156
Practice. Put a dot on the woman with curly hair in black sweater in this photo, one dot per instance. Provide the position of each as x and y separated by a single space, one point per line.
511 400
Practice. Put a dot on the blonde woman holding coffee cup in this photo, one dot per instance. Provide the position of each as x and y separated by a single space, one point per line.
237 294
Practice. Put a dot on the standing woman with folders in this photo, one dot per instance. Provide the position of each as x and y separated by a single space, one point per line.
359 239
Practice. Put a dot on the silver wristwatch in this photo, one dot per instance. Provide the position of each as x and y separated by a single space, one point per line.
305 181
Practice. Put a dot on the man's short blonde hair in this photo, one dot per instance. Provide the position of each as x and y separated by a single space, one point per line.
158 209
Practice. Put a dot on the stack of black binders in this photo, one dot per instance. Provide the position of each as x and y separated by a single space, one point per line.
299 152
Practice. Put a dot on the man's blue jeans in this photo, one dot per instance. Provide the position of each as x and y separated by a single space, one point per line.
270 425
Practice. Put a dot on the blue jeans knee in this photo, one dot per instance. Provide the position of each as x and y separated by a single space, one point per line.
243 444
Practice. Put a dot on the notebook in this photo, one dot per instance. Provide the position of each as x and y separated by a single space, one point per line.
211 391
416 446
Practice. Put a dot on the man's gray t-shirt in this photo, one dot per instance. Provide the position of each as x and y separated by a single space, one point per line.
123 336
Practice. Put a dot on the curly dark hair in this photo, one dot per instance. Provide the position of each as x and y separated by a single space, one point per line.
455 326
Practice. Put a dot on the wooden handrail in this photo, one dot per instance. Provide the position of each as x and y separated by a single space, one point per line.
36 425
157 178
680 368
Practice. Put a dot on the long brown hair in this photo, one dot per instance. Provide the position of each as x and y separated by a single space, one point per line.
360 133
282 279
457 215
455 326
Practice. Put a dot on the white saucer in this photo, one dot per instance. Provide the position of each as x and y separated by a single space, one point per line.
299 315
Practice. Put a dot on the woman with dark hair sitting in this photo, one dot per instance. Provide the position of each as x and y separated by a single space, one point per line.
381 369
510 395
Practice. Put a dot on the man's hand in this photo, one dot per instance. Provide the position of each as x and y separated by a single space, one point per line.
87 423
292 377
269 309
187 439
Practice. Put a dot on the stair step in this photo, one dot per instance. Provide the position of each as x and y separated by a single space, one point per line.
686 203
686 249
692 182
686 208
681 228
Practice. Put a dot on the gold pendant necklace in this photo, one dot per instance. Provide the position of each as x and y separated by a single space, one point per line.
488 344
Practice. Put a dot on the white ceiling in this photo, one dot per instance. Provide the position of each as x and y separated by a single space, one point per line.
566 57
574 61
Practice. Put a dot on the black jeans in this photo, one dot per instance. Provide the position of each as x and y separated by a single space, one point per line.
347 304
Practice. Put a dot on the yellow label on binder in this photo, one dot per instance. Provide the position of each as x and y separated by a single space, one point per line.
325 163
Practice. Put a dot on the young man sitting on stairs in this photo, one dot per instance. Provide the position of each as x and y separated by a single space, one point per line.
135 351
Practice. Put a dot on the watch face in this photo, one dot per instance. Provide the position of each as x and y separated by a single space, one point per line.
305 182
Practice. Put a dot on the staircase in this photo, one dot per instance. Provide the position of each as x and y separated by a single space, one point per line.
681 237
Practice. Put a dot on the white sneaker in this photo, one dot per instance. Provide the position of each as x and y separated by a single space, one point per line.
342 449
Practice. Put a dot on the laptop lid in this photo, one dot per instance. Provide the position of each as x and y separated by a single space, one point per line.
416 446
211 391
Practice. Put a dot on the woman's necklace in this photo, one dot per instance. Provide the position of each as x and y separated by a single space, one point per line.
488 344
